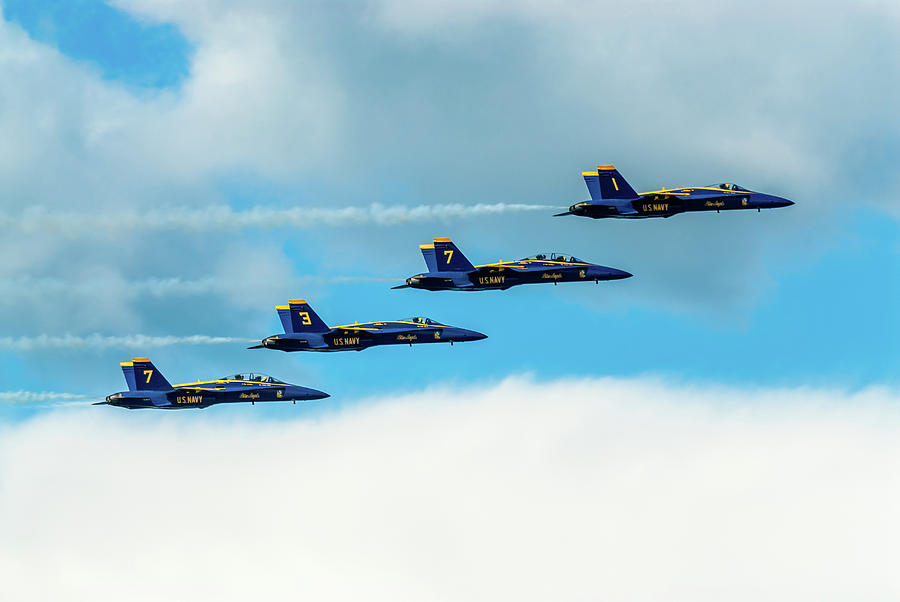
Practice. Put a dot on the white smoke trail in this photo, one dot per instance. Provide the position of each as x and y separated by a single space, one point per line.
223 217
33 396
98 341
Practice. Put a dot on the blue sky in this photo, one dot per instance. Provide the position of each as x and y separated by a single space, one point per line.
401 114
725 422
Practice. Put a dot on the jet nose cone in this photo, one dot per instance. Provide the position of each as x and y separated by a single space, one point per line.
306 394
464 334
771 202
604 273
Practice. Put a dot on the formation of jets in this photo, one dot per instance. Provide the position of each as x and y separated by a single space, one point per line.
448 270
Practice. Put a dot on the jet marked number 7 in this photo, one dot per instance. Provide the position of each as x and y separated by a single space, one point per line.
449 255
304 318
148 374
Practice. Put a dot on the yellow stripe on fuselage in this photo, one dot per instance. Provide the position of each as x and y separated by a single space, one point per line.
194 385
525 263
364 325
690 189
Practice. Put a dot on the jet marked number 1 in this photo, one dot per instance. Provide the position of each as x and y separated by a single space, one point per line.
148 374
449 255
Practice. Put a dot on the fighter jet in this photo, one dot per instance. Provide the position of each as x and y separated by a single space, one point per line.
449 270
305 331
148 388
611 196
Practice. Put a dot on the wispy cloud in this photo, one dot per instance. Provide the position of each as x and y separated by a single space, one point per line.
98 341
40 219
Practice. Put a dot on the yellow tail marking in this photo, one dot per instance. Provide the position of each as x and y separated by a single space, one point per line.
449 255
148 374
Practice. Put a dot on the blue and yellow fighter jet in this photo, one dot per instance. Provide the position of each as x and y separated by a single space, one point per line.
305 331
612 196
148 388
449 270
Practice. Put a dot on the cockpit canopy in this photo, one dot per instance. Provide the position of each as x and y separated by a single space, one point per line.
554 257
730 186
253 377
421 320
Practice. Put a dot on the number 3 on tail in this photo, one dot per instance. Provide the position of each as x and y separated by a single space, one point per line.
148 374
448 255
304 318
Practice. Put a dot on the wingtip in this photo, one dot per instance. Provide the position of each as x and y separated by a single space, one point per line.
256 347
562 214
400 286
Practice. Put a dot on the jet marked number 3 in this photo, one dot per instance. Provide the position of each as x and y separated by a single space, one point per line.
148 374
449 255
304 318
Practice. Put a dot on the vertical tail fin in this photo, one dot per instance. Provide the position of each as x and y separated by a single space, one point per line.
592 179
430 258
450 259
298 316
608 183
142 375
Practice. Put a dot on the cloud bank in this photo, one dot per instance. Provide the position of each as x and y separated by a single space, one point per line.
576 490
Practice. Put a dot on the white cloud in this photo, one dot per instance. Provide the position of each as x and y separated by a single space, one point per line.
581 490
